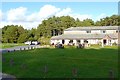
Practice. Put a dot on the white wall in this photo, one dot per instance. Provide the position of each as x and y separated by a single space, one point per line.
92 31
55 41
95 31
93 41
66 42
110 31
74 41
74 32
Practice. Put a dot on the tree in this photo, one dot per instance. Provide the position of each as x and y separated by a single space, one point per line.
88 22
23 38
11 34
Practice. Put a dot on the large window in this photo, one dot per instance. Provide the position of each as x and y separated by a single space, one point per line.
103 31
117 31
88 31
71 41
78 41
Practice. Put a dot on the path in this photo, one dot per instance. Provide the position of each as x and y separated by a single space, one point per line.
19 48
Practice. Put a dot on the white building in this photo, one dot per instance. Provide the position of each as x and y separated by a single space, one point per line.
104 35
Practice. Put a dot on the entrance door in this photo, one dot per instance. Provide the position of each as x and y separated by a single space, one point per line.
104 41
63 41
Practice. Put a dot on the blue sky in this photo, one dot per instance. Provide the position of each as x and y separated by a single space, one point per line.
82 10
94 8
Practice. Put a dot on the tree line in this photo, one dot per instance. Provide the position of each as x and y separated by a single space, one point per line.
51 27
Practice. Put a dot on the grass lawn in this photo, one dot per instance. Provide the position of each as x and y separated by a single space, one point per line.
8 45
62 63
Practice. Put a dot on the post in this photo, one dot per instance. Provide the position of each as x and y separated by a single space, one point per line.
111 75
74 72
102 43
8 51
45 71
11 62
20 49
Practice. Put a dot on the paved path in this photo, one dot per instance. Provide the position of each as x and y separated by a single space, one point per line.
7 77
19 48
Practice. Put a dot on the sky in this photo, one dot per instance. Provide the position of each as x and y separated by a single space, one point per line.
30 14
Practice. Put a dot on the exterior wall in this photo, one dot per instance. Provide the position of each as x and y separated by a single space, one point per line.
114 41
55 41
94 41
74 41
66 41
110 31
81 41
95 31
92 31
74 32
90 41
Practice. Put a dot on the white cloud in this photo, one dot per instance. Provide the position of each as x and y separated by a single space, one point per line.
26 25
17 14
81 17
48 10
100 16
45 12
64 12
33 17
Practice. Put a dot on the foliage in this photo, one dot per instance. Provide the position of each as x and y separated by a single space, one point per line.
53 26
44 41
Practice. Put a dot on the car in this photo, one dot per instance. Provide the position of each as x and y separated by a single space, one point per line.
32 43
28 42
58 45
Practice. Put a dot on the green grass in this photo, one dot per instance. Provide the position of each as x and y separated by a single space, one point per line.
8 45
90 63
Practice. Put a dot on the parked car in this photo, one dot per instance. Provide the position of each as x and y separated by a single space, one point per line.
32 43
28 42
58 45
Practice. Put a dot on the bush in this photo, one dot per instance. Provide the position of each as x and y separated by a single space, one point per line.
59 46
115 43
44 41
80 46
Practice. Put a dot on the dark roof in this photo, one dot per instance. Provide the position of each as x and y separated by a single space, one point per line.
93 28
84 36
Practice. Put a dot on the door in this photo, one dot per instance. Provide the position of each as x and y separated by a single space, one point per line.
104 41
63 41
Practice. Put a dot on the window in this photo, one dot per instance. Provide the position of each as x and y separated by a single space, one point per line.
117 31
103 31
85 41
71 41
78 41
88 31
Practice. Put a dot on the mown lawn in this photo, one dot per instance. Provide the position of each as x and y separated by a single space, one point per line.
62 63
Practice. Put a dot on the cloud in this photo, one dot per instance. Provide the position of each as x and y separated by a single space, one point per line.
20 16
100 16
17 14
81 17
48 10
26 25
45 12
64 12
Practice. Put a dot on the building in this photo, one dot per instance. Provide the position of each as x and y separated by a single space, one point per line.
104 35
